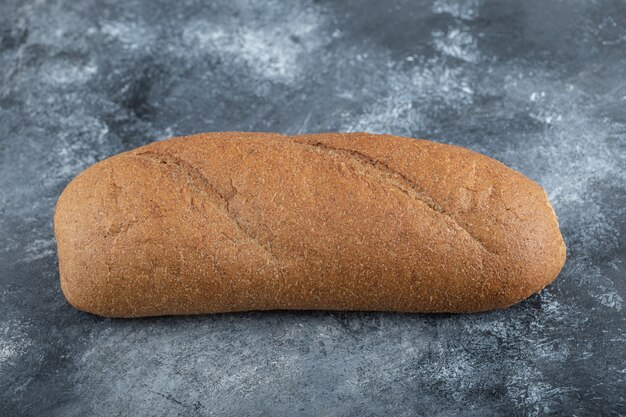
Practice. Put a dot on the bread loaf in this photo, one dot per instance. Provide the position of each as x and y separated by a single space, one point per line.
234 221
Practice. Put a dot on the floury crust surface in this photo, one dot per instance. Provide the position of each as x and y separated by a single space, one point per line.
236 221
537 85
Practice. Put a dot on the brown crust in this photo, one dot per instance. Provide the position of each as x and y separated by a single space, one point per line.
237 221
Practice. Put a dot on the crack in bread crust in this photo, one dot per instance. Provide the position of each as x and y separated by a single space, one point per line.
198 182
387 175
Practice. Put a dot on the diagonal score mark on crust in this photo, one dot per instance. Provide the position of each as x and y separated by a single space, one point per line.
198 182
117 229
388 175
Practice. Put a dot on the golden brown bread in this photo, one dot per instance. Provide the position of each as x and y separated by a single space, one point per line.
237 221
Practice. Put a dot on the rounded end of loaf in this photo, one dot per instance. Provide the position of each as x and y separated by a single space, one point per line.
74 217
87 221
533 254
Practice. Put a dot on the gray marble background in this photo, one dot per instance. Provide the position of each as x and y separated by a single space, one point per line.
539 85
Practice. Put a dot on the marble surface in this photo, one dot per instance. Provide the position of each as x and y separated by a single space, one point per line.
539 85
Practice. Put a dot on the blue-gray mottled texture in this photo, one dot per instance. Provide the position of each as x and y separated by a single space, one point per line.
539 85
